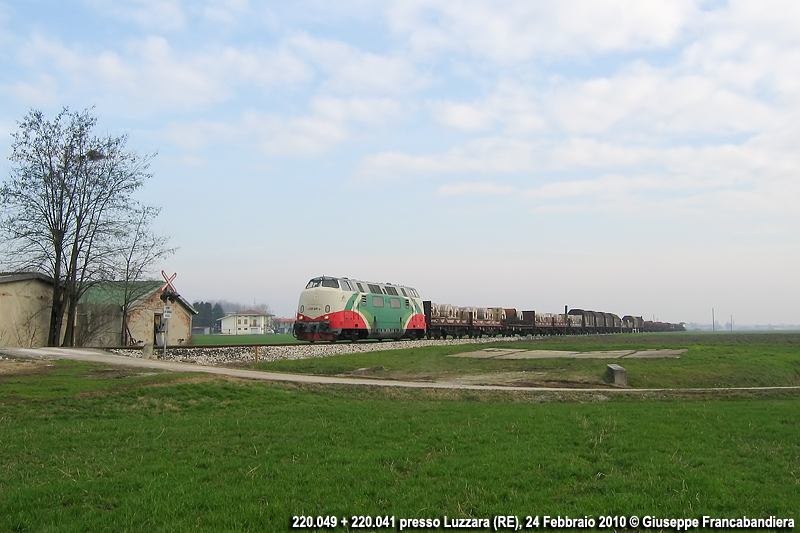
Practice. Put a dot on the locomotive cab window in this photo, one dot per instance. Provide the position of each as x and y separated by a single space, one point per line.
345 285
395 303
323 282
377 301
360 287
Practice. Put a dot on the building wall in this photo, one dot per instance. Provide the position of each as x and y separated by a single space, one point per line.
99 325
25 313
143 318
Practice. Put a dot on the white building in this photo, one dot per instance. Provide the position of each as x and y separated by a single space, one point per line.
246 323
283 325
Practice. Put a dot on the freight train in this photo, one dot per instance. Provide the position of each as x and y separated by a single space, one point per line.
333 309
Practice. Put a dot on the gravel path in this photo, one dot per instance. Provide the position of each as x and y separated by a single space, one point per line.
246 354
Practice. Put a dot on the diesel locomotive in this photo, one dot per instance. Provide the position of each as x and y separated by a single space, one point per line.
333 309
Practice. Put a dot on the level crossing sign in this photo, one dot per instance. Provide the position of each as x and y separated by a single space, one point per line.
168 283
167 311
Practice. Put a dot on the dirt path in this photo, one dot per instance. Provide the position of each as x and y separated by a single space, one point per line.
99 356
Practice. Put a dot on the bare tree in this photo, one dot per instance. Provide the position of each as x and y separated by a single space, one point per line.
139 249
64 199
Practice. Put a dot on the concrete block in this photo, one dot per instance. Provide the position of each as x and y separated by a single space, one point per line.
618 375
147 351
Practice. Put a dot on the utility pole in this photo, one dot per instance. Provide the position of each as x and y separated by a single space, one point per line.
713 322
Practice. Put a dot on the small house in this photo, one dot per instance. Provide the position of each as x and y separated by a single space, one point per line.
246 323
101 322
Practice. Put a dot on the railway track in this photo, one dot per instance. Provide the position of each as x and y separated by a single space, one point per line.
246 353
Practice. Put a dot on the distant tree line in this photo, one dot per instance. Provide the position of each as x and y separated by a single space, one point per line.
207 314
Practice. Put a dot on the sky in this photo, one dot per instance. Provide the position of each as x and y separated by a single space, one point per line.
616 155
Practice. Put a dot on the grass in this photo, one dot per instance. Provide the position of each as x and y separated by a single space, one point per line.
87 447
722 360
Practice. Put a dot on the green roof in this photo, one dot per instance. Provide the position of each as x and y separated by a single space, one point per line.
113 292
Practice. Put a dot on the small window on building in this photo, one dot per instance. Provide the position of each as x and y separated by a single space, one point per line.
238 320
377 301
395 303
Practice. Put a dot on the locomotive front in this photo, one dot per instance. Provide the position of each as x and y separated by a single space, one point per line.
332 309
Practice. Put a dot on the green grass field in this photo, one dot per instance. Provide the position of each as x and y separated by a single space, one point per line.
90 448
720 360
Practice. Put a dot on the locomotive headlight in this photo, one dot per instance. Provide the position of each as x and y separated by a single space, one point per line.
326 317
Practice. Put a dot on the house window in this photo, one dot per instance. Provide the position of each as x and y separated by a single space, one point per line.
238 320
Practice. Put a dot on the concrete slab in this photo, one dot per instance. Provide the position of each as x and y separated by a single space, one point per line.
498 353
538 354
652 354
488 353
608 354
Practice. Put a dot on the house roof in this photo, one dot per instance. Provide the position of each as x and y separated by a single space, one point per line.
10 277
113 293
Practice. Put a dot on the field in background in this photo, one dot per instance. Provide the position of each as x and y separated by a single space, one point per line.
87 447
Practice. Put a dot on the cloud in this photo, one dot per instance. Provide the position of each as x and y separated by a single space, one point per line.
488 155
330 121
482 189
520 30
226 11
510 106
349 70
153 15
151 74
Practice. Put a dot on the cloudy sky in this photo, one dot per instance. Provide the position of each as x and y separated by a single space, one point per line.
618 155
